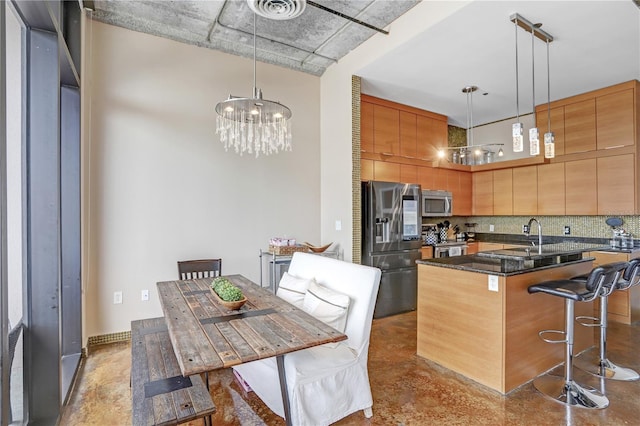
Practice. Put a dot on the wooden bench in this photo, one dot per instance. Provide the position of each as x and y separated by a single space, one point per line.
160 394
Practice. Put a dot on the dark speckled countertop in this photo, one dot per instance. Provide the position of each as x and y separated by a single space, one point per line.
518 260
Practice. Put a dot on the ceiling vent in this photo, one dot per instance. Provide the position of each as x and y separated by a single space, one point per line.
278 9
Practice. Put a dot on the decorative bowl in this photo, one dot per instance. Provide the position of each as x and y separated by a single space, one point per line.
232 305
316 249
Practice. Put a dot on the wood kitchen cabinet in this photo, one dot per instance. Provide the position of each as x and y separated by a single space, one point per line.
503 192
623 305
581 187
551 196
616 185
425 177
366 127
525 191
385 171
462 202
408 173
487 246
614 119
580 126
482 193
407 134
386 130
366 170
431 135
557 126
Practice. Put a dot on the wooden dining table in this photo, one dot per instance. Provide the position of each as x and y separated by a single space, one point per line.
207 336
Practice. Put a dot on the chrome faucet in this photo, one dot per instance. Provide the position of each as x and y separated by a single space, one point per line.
528 232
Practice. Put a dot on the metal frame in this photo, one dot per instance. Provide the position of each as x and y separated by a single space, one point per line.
4 318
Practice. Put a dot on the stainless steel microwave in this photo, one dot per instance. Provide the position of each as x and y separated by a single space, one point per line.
436 203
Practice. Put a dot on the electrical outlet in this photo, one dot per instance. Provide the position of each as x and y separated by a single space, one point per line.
338 225
492 228
493 283
145 295
117 297
525 229
567 230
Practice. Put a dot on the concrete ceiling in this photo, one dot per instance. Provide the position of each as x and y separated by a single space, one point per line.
596 44
310 43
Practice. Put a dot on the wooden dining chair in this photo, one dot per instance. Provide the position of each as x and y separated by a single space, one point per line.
204 268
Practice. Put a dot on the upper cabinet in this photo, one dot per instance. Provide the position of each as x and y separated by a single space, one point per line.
580 126
366 127
386 130
614 120
407 134
432 135
595 170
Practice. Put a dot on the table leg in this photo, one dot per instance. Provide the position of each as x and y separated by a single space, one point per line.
283 388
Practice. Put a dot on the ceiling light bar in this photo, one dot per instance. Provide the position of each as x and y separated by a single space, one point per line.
530 27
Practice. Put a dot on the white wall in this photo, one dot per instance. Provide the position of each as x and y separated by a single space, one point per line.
161 188
336 134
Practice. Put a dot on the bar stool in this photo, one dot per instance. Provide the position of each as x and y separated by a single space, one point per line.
565 389
601 366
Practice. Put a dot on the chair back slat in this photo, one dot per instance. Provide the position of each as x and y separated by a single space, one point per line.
204 268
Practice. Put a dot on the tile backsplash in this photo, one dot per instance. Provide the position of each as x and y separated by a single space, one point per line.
581 226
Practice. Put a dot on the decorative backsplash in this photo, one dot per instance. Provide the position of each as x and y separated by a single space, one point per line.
581 226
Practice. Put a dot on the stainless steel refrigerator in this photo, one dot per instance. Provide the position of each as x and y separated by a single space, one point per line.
391 241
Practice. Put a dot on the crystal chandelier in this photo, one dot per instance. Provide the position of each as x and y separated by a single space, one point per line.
254 125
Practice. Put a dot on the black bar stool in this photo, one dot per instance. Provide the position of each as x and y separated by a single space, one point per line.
600 365
565 389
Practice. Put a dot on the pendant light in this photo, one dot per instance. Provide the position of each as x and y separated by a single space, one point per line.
516 128
534 139
254 125
549 138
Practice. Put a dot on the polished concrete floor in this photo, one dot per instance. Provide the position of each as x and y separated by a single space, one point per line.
407 390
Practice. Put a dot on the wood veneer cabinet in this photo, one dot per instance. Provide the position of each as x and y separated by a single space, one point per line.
366 127
581 187
616 185
503 192
408 173
580 126
614 120
407 134
386 130
525 191
623 305
551 197
366 170
386 171
492 336
482 193
462 198
431 135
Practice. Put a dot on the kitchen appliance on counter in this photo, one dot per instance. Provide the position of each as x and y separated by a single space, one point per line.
470 234
621 239
391 241
437 203
450 249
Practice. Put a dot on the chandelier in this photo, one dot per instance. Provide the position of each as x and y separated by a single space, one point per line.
254 125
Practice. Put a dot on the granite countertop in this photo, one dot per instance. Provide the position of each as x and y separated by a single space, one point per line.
546 250
518 260
493 266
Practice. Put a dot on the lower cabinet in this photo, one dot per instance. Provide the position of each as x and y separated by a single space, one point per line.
623 305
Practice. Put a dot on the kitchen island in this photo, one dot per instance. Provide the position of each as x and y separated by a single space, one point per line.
476 317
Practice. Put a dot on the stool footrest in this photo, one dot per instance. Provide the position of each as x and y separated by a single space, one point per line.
543 332
595 322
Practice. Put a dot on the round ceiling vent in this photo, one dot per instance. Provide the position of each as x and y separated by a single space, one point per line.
278 9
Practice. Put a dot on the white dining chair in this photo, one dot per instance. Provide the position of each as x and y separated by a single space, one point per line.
325 383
